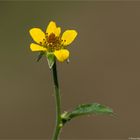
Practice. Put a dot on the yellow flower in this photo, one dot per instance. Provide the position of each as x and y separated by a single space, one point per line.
51 41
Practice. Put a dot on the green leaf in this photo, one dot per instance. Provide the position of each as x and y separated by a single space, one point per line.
86 109
51 59
40 55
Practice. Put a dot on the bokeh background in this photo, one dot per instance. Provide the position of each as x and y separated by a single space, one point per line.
104 68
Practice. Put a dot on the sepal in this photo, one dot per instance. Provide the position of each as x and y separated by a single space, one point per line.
51 59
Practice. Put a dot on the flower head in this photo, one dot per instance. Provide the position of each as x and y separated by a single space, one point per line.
51 41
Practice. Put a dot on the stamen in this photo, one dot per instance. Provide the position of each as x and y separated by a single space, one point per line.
53 42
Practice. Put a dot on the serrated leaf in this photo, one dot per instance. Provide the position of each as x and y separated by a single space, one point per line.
86 109
51 59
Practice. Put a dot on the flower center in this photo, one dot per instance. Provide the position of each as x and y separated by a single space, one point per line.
52 42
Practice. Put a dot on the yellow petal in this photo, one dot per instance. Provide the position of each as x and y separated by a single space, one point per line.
52 28
35 47
62 55
37 34
58 31
68 37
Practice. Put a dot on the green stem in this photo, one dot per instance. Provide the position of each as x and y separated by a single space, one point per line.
58 104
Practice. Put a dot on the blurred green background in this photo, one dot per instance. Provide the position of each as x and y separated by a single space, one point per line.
104 68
